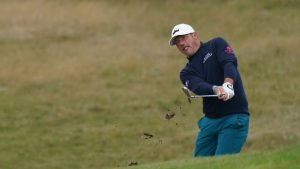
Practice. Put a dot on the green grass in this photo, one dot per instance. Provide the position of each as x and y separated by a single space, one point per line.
81 81
283 158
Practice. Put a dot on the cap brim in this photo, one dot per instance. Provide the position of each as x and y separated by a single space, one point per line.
171 41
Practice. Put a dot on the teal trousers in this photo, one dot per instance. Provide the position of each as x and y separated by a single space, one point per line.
219 136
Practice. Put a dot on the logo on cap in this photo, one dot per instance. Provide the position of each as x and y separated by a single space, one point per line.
175 31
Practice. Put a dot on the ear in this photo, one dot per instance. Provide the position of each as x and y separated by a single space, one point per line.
195 35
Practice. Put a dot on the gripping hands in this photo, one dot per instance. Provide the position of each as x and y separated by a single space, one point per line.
224 92
228 87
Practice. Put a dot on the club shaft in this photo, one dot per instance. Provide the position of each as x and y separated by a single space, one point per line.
200 96
186 91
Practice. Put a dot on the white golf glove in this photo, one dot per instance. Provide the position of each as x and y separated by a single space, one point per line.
228 87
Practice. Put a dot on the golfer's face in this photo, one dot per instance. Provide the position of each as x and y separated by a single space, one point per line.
187 44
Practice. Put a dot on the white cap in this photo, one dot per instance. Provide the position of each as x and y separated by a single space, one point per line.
180 29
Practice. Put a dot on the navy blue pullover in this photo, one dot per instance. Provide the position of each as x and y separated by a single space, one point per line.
210 65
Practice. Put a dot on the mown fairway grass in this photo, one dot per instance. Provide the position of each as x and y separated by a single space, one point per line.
82 81
282 158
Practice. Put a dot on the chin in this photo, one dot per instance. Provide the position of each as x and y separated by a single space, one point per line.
185 52
188 54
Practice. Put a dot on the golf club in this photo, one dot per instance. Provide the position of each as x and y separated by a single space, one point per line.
189 96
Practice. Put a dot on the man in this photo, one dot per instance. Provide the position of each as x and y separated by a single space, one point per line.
212 69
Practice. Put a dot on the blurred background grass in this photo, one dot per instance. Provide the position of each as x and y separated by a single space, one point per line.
81 81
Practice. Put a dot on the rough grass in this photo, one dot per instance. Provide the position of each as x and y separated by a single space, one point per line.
81 81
